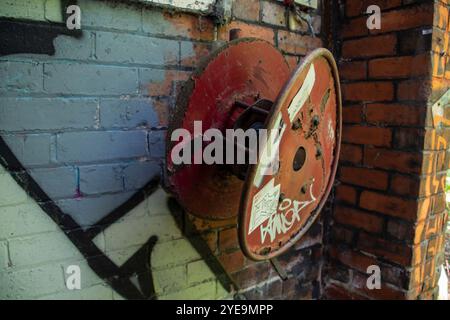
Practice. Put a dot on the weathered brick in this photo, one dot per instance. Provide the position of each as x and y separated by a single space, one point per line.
409 139
441 15
346 194
24 9
31 149
420 256
353 259
352 113
395 114
370 178
434 139
353 70
246 30
88 276
413 90
272 13
298 25
96 292
24 219
368 91
162 106
199 271
337 272
115 47
196 225
222 293
88 210
53 11
359 7
82 48
135 231
351 153
273 289
137 175
37 249
359 282
26 114
97 179
397 276
155 82
102 145
367 135
204 291
390 205
343 235
157 203
192 53
4 260
429 206
246 9
406 18
405 162
405 185
251 275
20 77
27 284
120 80
337 292
128 113
157 143
373 46
389 250
355 28
399 67
232 262
400 230
11 193
177 24
228 239
58 183
170 280
311 238
119 16
295 43
414 42
435 161
358 219
174 252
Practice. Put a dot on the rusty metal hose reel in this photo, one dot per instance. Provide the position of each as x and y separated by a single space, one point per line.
248 84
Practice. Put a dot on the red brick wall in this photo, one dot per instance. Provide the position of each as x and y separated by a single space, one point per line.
390 202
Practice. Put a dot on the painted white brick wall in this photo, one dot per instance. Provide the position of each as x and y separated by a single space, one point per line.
34 253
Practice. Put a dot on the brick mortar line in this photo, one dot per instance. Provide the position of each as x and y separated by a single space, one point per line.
93 129
403 6
147 34
276 28
81 96
52 61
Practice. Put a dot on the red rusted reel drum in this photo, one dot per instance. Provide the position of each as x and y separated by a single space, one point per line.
303 109
244 70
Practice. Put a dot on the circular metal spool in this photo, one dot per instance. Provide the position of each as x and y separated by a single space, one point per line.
235 88
245 70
